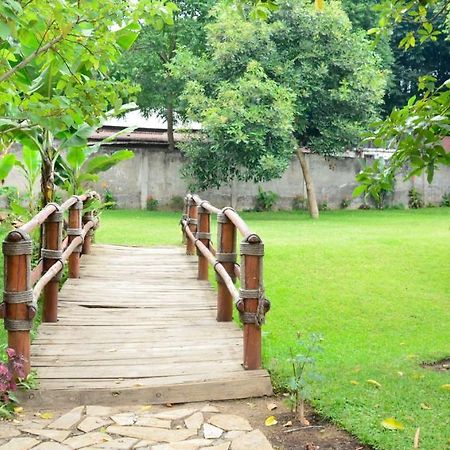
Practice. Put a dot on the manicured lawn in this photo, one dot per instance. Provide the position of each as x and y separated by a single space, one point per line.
375 284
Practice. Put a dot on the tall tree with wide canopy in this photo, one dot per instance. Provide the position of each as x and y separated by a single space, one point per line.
332 73
55 58
146 63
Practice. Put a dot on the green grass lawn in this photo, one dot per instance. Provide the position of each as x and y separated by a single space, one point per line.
375 284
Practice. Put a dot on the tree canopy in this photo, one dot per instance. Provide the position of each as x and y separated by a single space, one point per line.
326 77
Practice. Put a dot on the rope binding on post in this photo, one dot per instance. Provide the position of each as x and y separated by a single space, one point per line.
23 247
256 318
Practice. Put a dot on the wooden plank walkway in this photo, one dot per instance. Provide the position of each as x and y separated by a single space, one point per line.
139 327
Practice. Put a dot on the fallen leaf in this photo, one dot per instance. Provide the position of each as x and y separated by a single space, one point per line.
146 408
169 405
46 415
271 406
270 421
18 409
374 383
392 424
354 382
400 374
287 424
446 387
417 439
425 406
305 422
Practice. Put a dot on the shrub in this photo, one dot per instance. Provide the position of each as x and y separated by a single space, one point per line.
110 200
265 201
11 367
152 203
415 199
298 203
323 206
345 203
445 200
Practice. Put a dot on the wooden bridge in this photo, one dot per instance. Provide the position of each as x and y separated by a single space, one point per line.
135 324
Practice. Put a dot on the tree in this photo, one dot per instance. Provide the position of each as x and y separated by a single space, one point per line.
331 72
146 63
54 71
415 132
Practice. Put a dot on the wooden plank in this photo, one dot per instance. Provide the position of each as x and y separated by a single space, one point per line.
174 393
138 324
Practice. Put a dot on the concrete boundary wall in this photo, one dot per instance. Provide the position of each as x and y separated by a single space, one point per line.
155 172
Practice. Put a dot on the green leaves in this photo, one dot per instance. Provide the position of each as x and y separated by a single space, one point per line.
126 36
6 164
102 163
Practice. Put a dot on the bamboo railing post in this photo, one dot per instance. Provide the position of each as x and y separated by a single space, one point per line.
185 216
192 220
74 230
18 308
204 236
226 255
252 304
87 243
50 253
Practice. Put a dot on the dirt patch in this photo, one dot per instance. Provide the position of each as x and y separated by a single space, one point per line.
319 435
441 366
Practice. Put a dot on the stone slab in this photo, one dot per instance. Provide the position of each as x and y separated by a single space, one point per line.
68 420
253 440
92 423
195 421
20 443
211 431
151 434
230 422
53 435
87 439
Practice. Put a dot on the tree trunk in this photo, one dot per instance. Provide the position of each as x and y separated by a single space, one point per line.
311 194
169 118
47 181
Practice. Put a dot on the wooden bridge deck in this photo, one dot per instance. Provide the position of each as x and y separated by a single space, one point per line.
139 327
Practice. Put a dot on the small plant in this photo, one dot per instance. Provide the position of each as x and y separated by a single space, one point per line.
415 199
176 203
445 200
303 363
323 206
345 203
265 200
152 203
11 366
110 200
298 203
376 182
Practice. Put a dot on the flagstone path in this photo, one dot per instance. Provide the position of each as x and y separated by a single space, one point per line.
189 427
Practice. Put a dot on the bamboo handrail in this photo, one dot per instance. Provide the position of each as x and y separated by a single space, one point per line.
59 264
237 220
20 297
249 300
218 267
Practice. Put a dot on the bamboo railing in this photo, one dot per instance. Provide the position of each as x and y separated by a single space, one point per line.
249 299
24 286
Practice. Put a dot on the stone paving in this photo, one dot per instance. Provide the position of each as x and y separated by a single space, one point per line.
187 427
